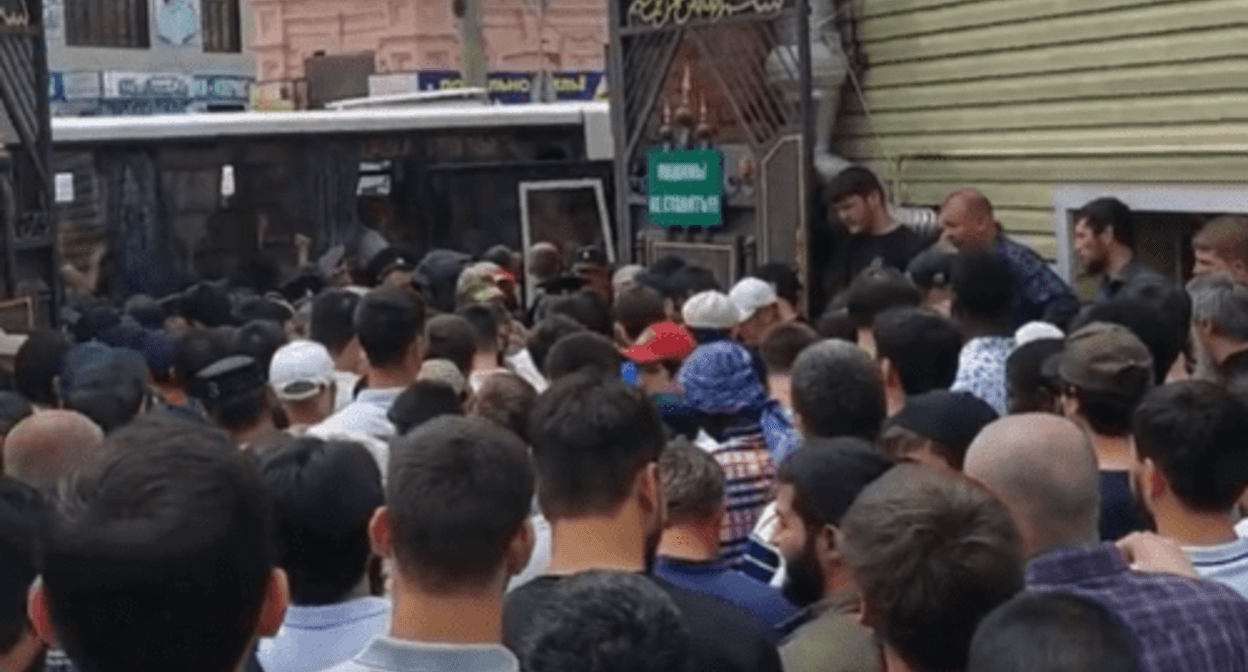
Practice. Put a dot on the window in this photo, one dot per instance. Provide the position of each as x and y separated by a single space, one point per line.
107 23
221 26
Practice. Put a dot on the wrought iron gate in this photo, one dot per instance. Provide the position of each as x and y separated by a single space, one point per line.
31 263
733 75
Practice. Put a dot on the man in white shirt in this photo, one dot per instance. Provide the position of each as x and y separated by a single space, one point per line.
389 323
302 377
325 495
1189 471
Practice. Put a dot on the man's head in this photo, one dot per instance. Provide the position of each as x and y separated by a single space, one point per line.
457 500
837 391
877 290
302 377
1221 248
917 350
693 486
1219 318
487 322
931 272
175 524
1052 632
450 337
1164 335
49 446
544 261
22 519
782 343
984 289
1030 387
1189 450
968 222
933 554
37 364
421 402
325 494
814 489
590 263
586 307
1044 469
711 311
602 621
259 339
596 444
14 408
333 322
936 428
1106 371
234 393
658 354
546 333
580 351
855 198
506 400
1100 227
389 323
637 308
758 307
108 385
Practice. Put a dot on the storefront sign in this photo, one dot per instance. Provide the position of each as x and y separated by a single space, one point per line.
517 87
660 13
221 88
686 187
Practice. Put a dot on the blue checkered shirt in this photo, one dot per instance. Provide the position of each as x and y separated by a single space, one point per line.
1039 288
1179 624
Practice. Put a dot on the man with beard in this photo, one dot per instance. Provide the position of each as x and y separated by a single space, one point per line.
596 445
816 487
1104 241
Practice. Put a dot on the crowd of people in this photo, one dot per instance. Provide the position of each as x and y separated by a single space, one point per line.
417 465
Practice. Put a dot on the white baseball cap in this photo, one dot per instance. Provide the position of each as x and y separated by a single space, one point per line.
300 370
752 294
711 310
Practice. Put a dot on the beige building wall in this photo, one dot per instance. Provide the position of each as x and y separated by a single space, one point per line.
1025 98
410 35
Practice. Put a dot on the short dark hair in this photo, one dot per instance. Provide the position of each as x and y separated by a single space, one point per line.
853 181
1194 431
693 482
507 400
601 621
1107 414
837 391
637 308
388 321
876 290
933 553
325 494
782 343
586 307
984 286
37 364
1052 632
1163 337
828 475
591 434
175 523
580 351
549 331
1109 212
458 491
924 347
784 278
259 339
22 511
1030 390
421 402
451 337
13 409
332 323
837 324
486 322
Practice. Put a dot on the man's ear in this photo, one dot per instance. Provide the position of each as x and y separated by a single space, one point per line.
826 546
520 550
273 610
1154 479
40 613
380 533
650 491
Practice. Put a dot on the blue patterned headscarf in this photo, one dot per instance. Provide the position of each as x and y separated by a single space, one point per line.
720 379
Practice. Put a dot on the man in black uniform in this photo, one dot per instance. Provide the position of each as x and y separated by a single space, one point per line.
867 234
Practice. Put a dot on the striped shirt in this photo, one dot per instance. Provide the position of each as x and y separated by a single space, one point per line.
751 474
1225 563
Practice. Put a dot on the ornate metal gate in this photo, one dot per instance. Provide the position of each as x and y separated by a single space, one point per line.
31 264
731 75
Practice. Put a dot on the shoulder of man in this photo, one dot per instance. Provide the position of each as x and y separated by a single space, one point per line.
723 636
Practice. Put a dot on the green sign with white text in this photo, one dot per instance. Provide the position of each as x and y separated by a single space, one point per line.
686 187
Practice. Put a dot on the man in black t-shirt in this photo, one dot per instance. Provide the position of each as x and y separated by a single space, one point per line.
866 234
596 443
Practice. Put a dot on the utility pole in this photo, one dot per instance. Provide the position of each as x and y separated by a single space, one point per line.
473 42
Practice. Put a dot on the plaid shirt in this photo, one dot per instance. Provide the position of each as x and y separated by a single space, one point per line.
750 474
1179 624
1039 288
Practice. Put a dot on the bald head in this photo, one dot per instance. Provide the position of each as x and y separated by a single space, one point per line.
544 261
50 445
968 220
1044 469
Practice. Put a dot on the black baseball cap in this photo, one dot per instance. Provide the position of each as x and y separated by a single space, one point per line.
228 378
953 419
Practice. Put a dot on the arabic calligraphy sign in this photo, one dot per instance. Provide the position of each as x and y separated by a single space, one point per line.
15 17
661 13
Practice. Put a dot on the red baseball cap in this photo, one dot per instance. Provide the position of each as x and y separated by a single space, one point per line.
662 342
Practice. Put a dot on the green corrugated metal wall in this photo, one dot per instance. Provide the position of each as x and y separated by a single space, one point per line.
1015 96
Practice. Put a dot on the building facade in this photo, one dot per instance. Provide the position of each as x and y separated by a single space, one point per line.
1044 104
147 56
415 44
